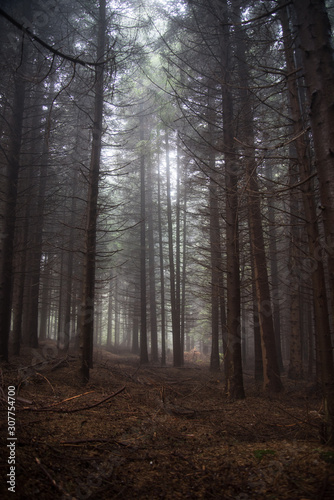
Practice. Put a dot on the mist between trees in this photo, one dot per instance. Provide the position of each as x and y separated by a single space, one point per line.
167 184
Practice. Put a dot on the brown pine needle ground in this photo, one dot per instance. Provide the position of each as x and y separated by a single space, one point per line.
151 432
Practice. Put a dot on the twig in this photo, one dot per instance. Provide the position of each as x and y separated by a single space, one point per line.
23 400
48 408
54 392
56 485
75 442
83 441
69 399
100 402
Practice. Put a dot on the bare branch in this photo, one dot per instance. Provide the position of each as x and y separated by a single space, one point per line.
55 51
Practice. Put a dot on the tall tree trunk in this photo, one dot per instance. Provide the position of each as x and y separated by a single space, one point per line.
275 292
215 275
37 237
184 265
295 370
45 299
69 261
135 322
315 40
234 381
117 311
61 298
177 355
162 274
215 256
88 291
178 247
258 363
110 307
20 260
143 306
151 257
12 175
271 373
314 32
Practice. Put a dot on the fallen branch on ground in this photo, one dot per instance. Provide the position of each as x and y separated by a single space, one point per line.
48 408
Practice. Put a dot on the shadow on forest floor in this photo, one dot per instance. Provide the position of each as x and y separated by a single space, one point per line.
165 433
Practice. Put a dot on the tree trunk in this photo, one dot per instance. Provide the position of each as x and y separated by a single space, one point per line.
12 175
135 322
275 292
215 261
178 248
234 381
37 237
316 45
184 266
315 41
110 307
271 373
162 274
295 370
177 355
88 292
143 306
258 363
151 257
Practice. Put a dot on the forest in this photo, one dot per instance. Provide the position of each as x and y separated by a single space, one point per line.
167 249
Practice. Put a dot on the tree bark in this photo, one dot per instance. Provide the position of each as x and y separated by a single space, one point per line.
215 272
271 372
177 355
315 42
151 257
143 305
274 274
88 291
12 175
184 265
234 381
314 32
178 247
162 274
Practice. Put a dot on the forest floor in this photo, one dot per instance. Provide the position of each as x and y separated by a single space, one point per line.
158 433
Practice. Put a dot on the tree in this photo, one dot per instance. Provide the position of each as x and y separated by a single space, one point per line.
10 203
152 270
271 373
88 289
143 309
215 249
177 354
234 375
313 29
162 274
